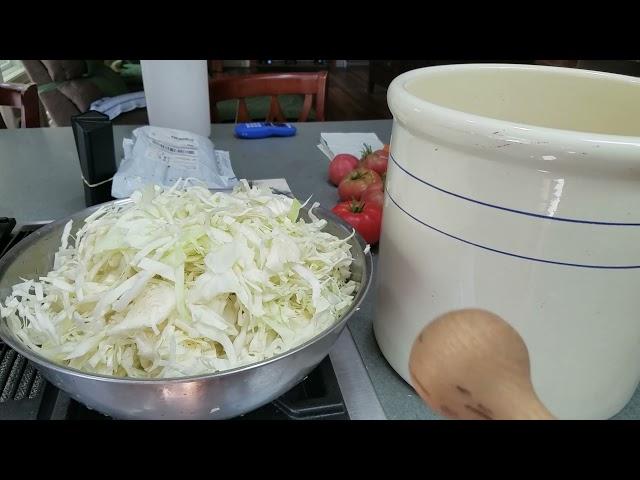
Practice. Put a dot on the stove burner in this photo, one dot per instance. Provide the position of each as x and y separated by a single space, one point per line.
26 395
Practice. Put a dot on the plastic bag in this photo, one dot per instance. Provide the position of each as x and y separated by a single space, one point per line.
162 156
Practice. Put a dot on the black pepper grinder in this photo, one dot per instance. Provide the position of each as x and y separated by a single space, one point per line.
93 132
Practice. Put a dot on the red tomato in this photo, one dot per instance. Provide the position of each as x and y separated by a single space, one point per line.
377 186
356 182
382 154
340 166
373 195
376 161
366 218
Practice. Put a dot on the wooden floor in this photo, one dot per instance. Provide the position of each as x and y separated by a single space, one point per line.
348 98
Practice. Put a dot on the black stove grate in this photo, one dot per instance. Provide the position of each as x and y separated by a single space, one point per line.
26 395
18 377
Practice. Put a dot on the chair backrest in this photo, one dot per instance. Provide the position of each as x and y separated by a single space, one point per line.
24 97
240 87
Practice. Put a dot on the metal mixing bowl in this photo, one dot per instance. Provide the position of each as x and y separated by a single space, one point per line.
219 395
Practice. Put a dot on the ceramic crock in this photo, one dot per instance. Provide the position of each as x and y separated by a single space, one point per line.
516 189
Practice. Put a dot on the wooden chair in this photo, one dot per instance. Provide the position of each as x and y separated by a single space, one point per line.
24 97
215 67
240 87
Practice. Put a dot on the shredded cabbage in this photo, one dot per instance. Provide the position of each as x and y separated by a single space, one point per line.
183 281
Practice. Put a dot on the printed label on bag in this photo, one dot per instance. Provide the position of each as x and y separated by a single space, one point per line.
171 159
173 142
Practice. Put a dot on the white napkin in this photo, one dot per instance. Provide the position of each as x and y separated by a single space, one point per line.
332 144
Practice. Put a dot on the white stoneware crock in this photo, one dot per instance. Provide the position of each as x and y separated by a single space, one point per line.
516 189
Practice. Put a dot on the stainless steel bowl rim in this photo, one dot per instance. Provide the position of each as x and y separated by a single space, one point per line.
40 360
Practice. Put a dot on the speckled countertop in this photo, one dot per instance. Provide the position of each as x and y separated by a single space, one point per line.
40 180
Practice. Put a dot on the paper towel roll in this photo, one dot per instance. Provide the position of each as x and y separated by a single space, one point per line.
177 94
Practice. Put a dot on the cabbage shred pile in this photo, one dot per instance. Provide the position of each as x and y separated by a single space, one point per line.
182 282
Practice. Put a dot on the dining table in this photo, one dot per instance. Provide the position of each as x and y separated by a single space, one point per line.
40 180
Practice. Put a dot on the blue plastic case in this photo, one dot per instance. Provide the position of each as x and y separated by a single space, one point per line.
264 130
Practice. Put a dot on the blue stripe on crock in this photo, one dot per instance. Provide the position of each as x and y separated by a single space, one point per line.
484 247
521 212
